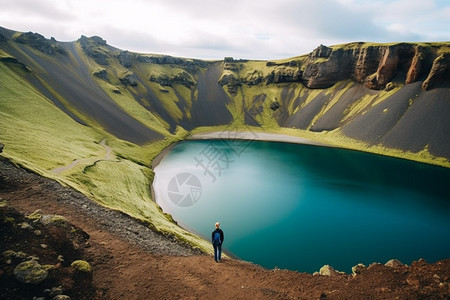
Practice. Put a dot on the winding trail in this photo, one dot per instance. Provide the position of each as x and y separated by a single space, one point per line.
108 156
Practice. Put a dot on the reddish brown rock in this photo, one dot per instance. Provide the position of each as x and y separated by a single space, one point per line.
376 66
439 74
386 70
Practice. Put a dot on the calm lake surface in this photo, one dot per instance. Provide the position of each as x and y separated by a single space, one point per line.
300 207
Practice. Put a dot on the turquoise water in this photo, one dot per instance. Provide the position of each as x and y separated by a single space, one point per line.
300 207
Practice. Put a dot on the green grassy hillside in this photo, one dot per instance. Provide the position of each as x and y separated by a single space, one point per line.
94 117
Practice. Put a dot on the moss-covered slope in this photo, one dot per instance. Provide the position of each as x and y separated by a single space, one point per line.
393 95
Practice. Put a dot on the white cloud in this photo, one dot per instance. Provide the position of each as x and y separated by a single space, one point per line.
239 28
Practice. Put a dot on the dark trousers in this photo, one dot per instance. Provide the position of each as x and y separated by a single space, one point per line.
217 252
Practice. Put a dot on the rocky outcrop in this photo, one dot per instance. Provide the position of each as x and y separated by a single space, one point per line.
183 78
328 270
125 59
129 79
15 64
275 105
284 75
93 48
439 74
101 73
356 270
187 64
39 42
377 65
231 81
417 65
394 263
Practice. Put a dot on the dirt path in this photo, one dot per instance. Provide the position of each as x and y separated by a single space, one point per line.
108 156
131 261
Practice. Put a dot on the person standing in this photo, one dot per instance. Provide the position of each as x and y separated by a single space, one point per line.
217 241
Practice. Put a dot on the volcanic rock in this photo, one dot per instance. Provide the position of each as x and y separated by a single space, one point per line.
39 42
394 263
30 272
231 81
129 79
439 74
101 73
125 59
92 47
182 78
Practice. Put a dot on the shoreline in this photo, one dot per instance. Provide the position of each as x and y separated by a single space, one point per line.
240 135
257 136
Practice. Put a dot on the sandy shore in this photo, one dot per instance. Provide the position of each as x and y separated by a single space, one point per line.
232 135
258 136
242 135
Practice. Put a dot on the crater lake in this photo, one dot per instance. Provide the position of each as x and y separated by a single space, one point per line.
300 207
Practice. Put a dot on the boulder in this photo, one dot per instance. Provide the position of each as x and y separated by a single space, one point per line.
48 220
30 272
328 270
61 297
358 269
101 73
54 220
389 86
81 266
1 147
394 263
275 105
82 272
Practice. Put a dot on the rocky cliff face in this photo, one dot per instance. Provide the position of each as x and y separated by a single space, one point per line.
376 66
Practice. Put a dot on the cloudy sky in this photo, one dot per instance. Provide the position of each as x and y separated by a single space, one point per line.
211 29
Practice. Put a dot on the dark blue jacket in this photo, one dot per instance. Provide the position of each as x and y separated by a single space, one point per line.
221 235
